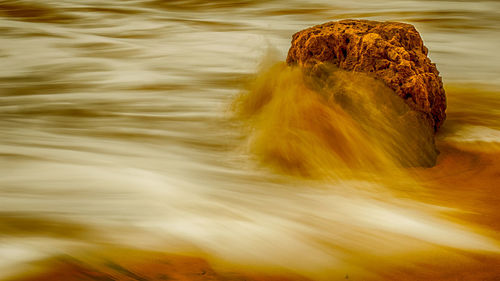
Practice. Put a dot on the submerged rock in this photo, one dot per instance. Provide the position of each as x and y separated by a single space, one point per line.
390 51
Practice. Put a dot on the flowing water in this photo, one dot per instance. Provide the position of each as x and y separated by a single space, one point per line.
117 128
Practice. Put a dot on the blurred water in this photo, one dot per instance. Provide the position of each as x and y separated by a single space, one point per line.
116 129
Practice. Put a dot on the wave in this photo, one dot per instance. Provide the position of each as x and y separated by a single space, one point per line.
326 121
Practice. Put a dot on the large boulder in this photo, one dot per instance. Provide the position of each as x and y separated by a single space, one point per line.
390 51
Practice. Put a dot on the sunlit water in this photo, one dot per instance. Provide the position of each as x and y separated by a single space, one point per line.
117 128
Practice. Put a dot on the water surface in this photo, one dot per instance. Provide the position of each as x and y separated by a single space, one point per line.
116 129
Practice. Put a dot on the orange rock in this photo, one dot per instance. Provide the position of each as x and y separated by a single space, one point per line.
390 51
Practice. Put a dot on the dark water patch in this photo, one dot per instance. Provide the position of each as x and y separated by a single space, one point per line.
53 139
201 5
126 11
126 272
456 25
452 20
11 157
164 86
14 32
34 12
150 33
30 224
474 105
129 134
101 50
306 10
211 25
51 78
66 110
38 84
224 80
40 33
5 30
456 121
105 50
19 32
197 78
62 71
204 145
95 45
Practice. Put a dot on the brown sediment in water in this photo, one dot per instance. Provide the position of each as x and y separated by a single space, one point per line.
139 265
466 180
129 264
466 177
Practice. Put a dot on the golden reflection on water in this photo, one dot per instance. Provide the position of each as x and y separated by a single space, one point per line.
116 131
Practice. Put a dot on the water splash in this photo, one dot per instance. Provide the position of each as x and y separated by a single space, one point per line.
325 121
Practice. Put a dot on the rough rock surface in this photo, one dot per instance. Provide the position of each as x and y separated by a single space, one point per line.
391 51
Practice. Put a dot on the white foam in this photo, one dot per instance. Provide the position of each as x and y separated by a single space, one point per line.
470 133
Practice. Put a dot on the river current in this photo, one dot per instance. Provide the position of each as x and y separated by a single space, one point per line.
117 128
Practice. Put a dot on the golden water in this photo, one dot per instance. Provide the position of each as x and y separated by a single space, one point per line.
118 127
328 122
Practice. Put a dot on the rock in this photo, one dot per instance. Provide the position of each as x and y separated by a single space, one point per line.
390 51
